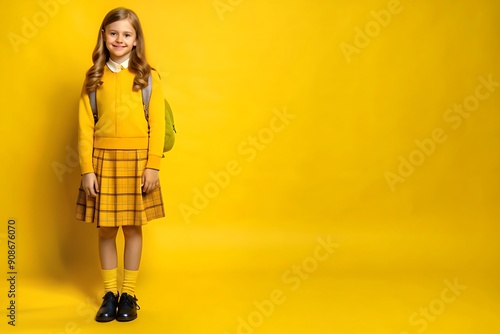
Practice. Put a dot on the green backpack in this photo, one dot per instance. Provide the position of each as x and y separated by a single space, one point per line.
146 97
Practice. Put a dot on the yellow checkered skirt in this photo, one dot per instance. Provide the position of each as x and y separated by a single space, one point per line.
120 201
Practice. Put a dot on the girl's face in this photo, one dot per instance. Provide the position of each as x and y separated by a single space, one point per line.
120 37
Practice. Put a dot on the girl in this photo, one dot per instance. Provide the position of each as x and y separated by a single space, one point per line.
120 155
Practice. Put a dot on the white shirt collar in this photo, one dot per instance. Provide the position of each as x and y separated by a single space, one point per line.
115 67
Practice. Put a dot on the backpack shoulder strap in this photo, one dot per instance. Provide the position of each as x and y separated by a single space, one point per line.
146 96
93 105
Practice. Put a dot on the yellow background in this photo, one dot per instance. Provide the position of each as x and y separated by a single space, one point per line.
322 176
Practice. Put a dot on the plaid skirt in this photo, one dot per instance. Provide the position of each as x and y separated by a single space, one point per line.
120 201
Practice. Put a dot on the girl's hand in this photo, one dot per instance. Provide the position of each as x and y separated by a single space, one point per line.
150 180
89 184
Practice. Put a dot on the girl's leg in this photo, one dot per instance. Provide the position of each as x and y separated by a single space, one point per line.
127 307
107 247
108 257
109 263
132 257
133 247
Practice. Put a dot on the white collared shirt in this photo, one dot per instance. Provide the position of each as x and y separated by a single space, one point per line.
115 67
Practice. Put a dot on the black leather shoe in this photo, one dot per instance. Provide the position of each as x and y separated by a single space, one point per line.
107 311
127 308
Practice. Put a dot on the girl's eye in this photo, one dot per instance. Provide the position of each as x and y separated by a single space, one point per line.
127 35
113 33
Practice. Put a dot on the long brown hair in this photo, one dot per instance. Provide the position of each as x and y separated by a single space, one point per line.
137 63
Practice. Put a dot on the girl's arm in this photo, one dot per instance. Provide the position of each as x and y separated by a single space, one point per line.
151 178
156 124
85 133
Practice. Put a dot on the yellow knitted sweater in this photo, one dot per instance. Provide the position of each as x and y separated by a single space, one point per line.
122 124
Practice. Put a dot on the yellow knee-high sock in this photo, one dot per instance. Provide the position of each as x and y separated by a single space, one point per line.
129 281
110 277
